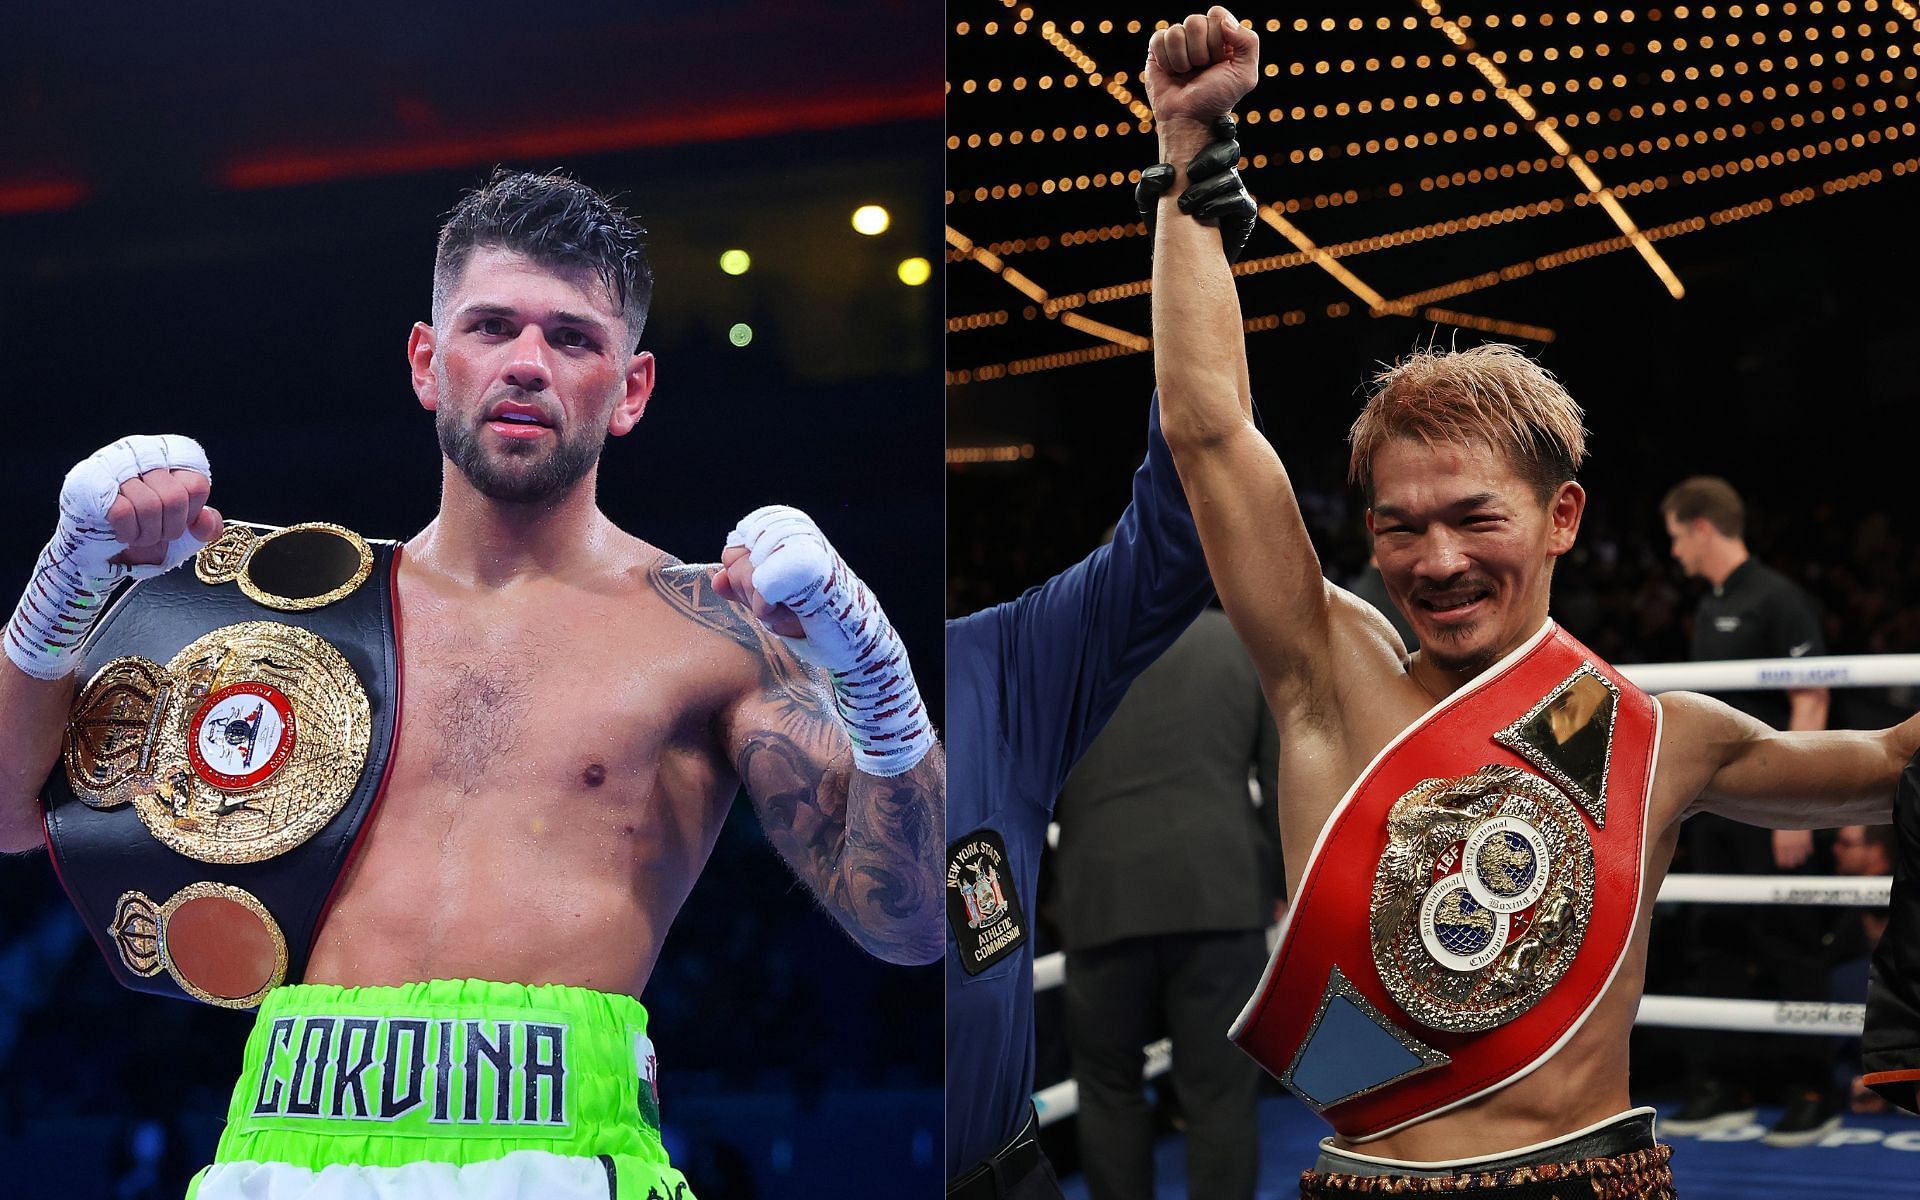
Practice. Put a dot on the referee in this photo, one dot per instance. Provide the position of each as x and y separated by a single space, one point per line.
1750 611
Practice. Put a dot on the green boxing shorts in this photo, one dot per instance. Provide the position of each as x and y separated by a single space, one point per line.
444 1090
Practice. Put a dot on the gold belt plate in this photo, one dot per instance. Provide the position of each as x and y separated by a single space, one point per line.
1482 897
217 941
242 747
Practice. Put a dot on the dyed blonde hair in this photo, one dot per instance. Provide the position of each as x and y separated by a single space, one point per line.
1492 394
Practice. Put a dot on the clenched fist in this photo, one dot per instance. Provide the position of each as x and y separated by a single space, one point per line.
150 494
778 563
734 581
135 507
155 509
1200 68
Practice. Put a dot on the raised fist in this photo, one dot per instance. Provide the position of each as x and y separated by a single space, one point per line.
734 581
775 551
779 564
146 497
1200 68
135 507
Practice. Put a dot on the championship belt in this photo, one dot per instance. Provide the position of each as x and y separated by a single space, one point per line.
1469 901
227 745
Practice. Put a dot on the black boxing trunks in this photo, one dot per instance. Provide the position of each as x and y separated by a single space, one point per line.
1471 898
1617 1159
229 740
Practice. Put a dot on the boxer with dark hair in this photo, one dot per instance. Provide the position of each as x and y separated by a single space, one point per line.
445 897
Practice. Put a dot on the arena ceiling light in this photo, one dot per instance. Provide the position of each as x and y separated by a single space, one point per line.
1112 84
1550 134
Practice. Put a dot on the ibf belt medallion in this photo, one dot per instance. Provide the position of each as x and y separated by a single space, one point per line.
1481 898
242 747
982 906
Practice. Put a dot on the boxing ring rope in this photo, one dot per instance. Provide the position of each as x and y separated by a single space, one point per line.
1818 1017
1757 674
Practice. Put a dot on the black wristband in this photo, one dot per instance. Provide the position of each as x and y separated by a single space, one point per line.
1215 194
1154 183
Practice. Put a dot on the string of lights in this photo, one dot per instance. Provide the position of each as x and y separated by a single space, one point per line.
1081 59
1114 84
1044 362
979 320
1434 99
1508 170
1478 220
1039 135
1034 292
1552 136
1560 258
1341 250
1792 74
1644 145
1301 113
1291 319
973 455
1473 221
1278 221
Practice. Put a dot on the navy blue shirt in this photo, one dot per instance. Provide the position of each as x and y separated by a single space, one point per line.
1029 684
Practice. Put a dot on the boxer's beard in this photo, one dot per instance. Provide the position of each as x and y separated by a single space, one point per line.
1471 663
516 472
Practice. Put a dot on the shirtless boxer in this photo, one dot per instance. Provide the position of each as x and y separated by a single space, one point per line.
579 710
1446 1015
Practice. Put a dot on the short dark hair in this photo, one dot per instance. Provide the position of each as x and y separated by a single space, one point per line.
1707 496
556 221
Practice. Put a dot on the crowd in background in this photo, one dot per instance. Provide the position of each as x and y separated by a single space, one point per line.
1618 591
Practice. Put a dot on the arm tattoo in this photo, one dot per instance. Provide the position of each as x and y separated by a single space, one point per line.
868 848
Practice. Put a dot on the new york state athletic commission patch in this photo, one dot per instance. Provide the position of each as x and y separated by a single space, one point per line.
982 907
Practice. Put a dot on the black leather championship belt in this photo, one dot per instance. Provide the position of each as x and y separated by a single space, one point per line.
229 741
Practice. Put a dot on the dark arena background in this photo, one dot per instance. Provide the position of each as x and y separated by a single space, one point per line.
223 225
1700 217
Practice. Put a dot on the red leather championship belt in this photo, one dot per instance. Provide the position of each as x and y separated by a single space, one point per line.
1469 901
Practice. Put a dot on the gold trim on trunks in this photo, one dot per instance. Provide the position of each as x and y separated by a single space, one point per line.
242 747
299 577
1482 897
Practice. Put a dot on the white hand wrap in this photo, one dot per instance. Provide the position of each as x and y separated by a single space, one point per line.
847 635
73 577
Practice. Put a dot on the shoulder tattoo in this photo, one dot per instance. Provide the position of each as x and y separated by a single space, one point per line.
688 590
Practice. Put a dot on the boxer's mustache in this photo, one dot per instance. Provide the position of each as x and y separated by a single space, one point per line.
1453 591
